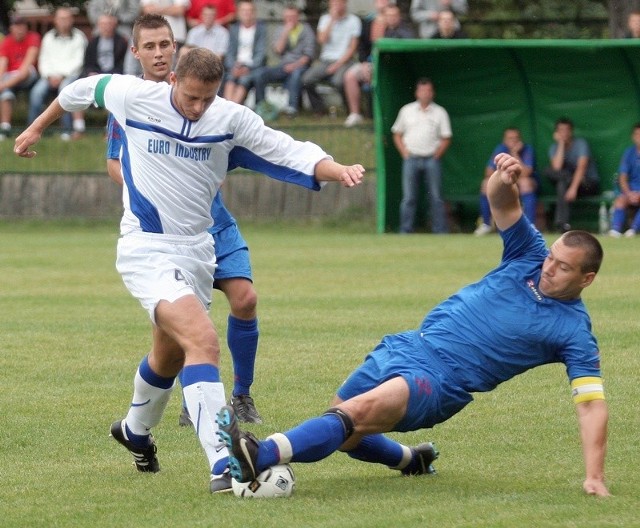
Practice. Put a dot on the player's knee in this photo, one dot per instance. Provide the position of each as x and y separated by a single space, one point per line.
347 422
244 306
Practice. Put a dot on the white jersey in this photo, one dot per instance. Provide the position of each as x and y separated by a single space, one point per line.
173 167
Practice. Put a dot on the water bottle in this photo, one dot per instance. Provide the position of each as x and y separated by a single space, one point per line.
603 219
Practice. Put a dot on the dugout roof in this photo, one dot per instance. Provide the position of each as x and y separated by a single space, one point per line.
487 85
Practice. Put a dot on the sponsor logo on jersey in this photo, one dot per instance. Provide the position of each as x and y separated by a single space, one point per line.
534 290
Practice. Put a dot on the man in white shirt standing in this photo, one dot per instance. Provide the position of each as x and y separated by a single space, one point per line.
60 63
422 134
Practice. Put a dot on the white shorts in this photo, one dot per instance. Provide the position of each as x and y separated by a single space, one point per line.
166 267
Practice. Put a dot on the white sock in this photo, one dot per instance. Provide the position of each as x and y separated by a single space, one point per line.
204 399
79 125
147 406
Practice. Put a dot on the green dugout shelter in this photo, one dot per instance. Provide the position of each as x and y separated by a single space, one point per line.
487 85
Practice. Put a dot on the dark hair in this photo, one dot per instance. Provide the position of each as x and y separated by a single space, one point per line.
564 121
150 21
424 80
593 253
635 127
200 63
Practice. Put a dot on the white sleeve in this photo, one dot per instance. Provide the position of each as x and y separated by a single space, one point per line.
80 94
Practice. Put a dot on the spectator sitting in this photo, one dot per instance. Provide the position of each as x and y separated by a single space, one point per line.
395 25
373 26
126 12
425 13
527 183
174 11
338 33
391 25
60 63
572 170
628 193
448 26
295 43
208 34
106 50
18 58
247 52
225 12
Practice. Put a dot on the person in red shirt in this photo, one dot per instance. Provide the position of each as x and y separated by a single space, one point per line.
18 59
225 11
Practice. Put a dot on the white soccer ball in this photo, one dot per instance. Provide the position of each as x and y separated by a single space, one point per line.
276 481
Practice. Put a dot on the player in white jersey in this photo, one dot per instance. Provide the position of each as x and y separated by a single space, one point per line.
155 47
179 143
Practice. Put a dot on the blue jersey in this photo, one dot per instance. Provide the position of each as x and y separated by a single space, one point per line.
527 157
501 326
630 165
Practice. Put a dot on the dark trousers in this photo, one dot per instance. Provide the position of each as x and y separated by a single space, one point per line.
562 179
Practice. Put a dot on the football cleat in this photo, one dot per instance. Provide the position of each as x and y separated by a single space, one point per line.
242 445
423 457
220 483
145 458
245 409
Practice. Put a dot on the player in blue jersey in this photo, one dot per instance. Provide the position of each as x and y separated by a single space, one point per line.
525 313
527 182
154 46
179 142
628 194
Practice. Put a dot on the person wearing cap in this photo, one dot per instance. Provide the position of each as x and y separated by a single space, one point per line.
18 58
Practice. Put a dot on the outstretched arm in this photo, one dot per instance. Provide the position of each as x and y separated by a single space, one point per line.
34 132
593 417
348 175
502 191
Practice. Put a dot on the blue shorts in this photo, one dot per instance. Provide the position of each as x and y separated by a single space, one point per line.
232 255
433 395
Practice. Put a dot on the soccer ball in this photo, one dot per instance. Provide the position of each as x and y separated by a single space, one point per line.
276 481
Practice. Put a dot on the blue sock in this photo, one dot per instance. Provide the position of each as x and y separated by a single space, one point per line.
635 225
529 204
485 209
202 372
618 219
141 441
310 441
379 449
220 466
242 339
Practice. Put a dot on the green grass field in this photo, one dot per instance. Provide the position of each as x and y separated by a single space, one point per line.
72 337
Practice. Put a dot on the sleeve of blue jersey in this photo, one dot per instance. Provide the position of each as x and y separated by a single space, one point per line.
114 138
523 240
